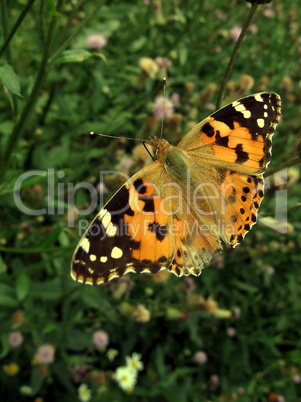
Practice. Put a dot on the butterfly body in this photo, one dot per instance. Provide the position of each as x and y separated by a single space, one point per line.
175 212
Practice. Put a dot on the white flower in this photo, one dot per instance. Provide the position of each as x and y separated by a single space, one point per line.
126 378
84 394
134 362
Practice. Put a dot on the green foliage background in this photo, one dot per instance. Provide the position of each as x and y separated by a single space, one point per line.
66 90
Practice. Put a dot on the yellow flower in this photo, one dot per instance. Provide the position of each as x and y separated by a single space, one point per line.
84 394
148 66
11 369
141 313
134 362
111 354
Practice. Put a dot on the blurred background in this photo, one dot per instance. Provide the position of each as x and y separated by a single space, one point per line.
68 68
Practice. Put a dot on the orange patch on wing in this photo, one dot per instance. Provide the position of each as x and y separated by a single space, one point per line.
227 154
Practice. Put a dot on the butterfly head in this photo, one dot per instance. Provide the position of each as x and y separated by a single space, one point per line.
160 146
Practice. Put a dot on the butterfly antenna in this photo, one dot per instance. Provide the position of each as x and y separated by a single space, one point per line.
164 104
93 134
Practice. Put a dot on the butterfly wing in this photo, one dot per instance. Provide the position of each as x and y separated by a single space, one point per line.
238 136
130 234
227 153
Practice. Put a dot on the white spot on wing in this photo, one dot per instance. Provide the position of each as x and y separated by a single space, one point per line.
92 257
260 123
239 107
103 259
85 245
258 97
246 114
111 230
116 252
105 217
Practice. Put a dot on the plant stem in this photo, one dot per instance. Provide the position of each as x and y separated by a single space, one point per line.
234 55
18 129
12 98
16 25
75 33
283 165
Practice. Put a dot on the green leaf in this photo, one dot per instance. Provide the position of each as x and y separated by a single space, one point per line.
4 346
53 9
77 56
22 286
7 296
37 379
77 340
10 79
3 266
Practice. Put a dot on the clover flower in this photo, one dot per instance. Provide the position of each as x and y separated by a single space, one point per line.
15 339
96 41
45 354
100 339
200 357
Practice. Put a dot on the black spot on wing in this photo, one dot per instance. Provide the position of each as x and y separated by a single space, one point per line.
140 186
221 141
241 155
208 130
159 230
149 205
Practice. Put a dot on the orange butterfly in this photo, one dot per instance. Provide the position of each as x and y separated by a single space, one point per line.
175 211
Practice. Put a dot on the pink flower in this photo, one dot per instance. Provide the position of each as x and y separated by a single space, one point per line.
214 381
96 41
159 107
231 332
240 391
235 32
79 372
297 379
253 29
15 339
200 357
270 270
218 261
45 354
163 62
175 99
126 163
268 12
235 313
189 284
100 339
101 188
